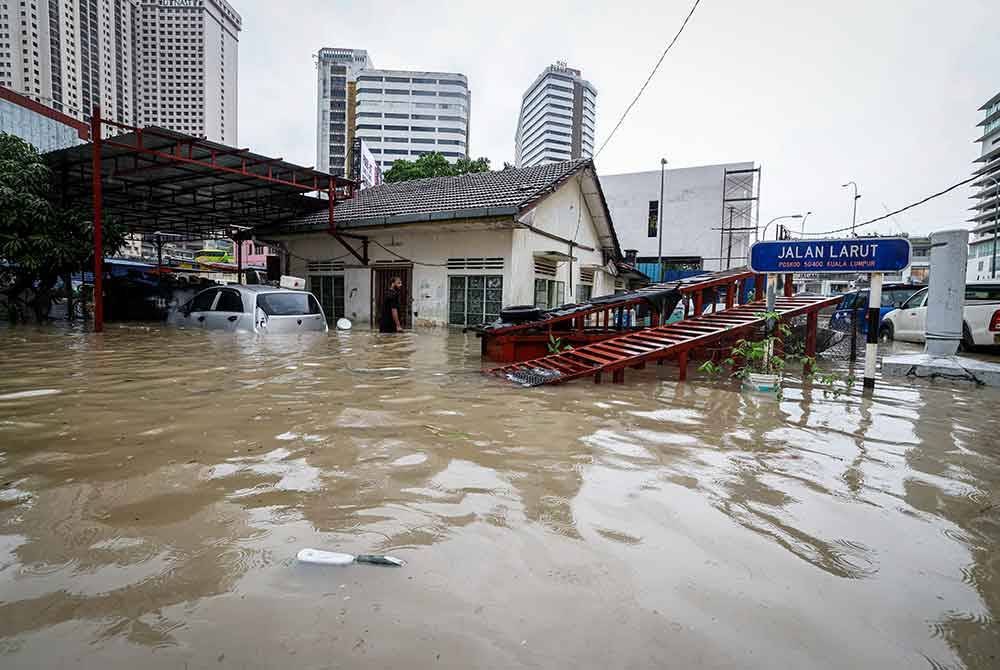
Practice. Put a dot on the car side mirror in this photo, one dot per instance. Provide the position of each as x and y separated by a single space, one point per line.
897 304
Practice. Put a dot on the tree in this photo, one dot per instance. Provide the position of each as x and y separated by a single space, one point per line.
40 239
434 165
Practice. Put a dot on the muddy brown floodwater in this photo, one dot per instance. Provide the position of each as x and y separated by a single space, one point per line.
156 486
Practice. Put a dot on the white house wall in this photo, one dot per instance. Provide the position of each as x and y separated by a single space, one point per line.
430 276
566 215
692 210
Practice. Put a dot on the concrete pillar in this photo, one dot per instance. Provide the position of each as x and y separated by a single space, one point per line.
946 292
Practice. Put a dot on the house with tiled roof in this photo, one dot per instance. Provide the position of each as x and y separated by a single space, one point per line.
465 247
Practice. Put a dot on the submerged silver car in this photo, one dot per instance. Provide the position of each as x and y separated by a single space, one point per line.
259 309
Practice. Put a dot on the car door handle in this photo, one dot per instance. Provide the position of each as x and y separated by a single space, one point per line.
232 318
201 318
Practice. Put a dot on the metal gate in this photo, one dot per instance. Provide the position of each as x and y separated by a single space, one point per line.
381 278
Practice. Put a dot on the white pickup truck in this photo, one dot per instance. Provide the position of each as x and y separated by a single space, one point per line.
981 320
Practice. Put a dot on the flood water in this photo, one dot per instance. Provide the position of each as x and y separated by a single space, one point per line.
157 484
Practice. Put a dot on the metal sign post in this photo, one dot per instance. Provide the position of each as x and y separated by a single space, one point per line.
871 344
872 255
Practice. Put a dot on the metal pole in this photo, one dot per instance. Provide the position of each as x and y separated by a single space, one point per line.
729 249
659 223
96 141
239 259
871 344
159 260
854 215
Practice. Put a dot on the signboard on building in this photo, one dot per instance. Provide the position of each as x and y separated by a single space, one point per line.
364 168
856 254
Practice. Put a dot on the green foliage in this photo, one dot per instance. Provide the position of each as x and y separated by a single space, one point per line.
434 165
40 240
759 357
556 345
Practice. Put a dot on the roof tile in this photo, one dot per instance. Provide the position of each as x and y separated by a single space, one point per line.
441 198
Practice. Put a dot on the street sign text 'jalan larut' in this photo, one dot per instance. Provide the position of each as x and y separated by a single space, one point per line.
856 254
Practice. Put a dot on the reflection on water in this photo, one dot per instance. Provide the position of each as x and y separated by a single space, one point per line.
155 486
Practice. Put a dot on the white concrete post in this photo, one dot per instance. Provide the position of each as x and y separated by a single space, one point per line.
946 292
871 343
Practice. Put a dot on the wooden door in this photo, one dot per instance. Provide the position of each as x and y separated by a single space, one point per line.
381 279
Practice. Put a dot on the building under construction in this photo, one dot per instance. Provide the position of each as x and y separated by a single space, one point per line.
706 220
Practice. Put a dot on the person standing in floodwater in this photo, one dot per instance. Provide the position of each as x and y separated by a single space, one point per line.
389 319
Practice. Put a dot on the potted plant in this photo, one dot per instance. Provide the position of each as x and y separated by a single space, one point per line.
760 364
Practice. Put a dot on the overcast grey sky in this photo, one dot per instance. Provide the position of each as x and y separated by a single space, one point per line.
883 92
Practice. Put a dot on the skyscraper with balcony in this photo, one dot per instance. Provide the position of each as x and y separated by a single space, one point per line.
405 114
145 62
336 81
986 209
71 55
557 120
187 65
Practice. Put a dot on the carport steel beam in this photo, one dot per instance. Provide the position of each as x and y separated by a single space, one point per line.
174 156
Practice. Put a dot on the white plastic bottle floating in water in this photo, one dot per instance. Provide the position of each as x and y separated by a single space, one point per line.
320 557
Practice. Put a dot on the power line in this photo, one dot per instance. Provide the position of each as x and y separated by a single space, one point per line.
898 211
649 78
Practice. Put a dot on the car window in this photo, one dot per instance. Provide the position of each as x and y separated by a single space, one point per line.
287 304
860 300
229 301
915 300
982 292
203 301
894 296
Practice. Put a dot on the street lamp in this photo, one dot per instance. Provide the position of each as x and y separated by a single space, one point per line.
659 223
802 228
996 223
854 216
763 235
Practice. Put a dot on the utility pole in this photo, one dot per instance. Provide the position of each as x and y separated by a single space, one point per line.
854 215
659 223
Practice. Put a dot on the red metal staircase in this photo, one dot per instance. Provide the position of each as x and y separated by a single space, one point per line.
675 340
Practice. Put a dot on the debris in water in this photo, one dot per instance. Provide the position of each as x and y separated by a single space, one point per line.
320 557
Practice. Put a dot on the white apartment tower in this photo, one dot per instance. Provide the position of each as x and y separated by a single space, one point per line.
336 77
187 65
71 54
557 120
405 114
984 249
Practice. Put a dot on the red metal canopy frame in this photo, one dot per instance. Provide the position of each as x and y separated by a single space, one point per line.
156 179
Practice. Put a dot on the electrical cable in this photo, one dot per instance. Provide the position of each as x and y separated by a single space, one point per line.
649 78
898 211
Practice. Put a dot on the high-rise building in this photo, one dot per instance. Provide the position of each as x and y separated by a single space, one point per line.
187 64
71 54
557 120
145 62
336 79
986 210
399 114
406 114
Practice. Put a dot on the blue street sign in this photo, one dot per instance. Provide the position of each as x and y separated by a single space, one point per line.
856 254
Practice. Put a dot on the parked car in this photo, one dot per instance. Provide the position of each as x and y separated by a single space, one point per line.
893 296
253 308
980 321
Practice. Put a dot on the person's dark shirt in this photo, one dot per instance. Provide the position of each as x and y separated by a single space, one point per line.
389 302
